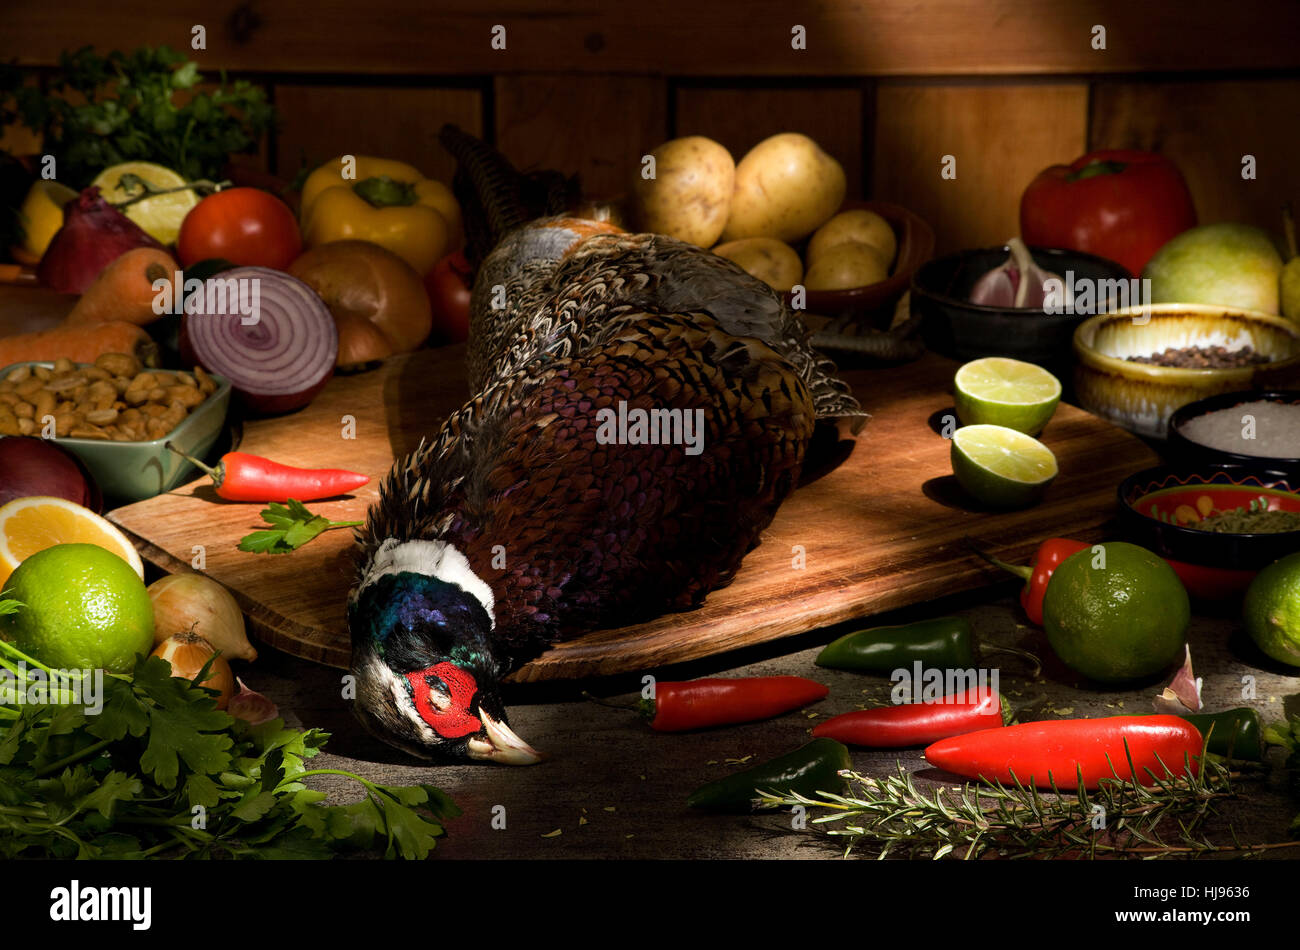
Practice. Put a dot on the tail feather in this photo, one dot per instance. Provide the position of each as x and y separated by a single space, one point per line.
495 197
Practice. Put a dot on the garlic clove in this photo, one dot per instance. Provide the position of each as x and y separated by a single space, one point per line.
251 706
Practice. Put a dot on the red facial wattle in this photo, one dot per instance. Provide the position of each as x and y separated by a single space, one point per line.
456 720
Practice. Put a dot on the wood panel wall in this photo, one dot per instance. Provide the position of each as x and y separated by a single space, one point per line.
1004 86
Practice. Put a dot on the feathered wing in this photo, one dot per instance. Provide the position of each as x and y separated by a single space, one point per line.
551 285
571 532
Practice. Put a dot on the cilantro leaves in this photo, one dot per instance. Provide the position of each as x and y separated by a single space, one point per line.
162 772
292 526
102 110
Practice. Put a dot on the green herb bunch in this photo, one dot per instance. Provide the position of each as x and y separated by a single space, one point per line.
160 772
98 111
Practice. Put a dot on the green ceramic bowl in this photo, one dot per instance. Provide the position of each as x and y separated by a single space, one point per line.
133 471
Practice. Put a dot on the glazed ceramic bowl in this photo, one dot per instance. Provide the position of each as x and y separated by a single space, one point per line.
1184 450
1160 506
915 245
1141 397
133 471
966 331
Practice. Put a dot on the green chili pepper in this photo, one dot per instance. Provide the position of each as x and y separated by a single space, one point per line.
941 643
808 770
1236 733
945 642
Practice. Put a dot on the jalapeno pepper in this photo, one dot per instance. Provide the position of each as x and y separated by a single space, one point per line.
1236 734
895 727
941 643
1047 559
810 769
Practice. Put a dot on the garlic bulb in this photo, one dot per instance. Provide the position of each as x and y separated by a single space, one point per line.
1018 283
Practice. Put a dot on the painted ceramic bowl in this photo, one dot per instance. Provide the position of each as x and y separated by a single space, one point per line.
1160 508
1183 449
1141 397
964 331
915 246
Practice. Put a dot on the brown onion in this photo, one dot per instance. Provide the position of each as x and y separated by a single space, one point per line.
187 652
195 603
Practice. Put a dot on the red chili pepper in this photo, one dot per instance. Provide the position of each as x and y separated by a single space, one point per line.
698 704
1036 753
243 477
1047 559
893 727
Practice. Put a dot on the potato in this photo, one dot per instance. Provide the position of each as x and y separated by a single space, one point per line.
773 262
786 186
841 266
860 225
690 196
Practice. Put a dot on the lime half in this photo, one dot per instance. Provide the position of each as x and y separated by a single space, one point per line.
1005 392
160 216
1001 467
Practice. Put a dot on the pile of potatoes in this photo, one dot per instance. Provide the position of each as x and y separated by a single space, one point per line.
784 189
116 399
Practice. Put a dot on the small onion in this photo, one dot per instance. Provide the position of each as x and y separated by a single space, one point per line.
187 652
195 603
281 357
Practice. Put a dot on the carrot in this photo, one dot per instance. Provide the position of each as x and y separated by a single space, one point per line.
81 344
124 290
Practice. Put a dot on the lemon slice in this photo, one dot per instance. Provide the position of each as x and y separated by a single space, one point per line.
1006 392
32 524
41 216
160 216
1002 467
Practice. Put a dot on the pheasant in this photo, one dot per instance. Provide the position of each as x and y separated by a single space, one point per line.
642 407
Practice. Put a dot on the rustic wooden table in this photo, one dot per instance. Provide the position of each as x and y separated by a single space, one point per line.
612 788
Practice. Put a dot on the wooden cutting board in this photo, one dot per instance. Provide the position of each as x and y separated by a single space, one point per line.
882 531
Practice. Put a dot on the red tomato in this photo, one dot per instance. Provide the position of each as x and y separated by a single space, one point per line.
1119 204
246 226
448 285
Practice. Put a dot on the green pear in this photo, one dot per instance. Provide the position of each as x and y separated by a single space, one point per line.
1290 273
1229 265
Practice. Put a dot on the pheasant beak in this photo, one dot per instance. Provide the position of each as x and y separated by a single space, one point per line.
501 745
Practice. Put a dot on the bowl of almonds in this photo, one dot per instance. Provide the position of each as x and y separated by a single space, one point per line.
116 415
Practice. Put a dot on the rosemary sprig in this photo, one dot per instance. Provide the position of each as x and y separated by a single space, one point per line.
892 816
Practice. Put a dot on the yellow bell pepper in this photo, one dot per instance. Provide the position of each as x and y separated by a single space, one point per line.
384 202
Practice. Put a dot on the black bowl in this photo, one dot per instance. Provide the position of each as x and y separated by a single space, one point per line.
967 331
1166 488
1184 451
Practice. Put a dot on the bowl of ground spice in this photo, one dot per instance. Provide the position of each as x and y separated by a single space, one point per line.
1136 367
1227 521
1256 429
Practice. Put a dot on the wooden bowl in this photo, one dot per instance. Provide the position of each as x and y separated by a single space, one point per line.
1141 397
915 247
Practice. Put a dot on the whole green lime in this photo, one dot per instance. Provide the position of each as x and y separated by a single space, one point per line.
1272 610
1116 612
83 608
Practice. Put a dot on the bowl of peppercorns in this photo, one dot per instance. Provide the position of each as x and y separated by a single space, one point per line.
1136 366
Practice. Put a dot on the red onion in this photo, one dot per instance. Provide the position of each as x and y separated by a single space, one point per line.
94 234
267 332
31 466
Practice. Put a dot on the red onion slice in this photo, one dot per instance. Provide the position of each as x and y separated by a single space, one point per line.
267 332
